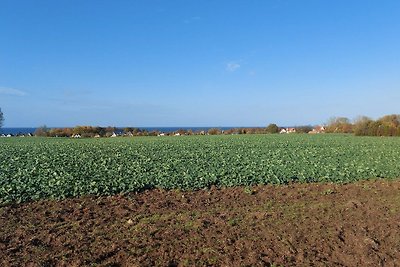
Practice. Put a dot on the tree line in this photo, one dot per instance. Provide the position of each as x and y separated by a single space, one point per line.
388 125
96 131
91 131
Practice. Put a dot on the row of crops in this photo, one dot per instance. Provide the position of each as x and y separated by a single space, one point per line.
35 168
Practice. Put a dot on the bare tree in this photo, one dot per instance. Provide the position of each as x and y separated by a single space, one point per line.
339 125
1 118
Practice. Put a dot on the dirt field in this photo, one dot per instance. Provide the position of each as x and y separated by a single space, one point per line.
297 225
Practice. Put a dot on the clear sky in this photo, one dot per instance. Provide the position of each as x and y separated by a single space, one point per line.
197 63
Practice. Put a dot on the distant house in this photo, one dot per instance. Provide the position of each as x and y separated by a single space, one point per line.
288 130
161 134
317 129
8 135
76 136
177 134
97 136
130 134
113 134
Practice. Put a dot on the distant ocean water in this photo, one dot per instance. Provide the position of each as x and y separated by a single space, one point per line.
15 131
27 130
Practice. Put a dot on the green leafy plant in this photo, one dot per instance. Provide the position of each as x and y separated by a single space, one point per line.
56 168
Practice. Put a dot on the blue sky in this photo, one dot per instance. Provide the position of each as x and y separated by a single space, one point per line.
197 63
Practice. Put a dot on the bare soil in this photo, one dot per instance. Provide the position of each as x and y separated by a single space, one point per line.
356 224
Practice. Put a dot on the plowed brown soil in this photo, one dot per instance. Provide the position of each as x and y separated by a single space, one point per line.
355 224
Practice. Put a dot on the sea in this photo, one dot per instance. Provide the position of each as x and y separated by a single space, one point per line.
26 130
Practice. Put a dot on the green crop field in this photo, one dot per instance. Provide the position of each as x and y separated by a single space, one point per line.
35 168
